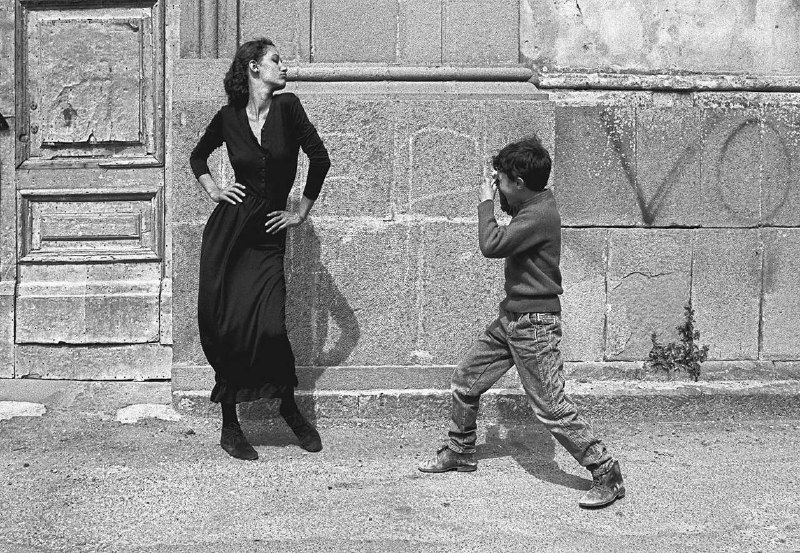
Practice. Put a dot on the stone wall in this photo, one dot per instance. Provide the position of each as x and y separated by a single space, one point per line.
700 199
675 131
701 36
386 275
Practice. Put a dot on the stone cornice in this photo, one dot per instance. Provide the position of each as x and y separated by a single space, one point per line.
682 82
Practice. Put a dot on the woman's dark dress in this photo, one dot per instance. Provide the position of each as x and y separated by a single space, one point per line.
241 302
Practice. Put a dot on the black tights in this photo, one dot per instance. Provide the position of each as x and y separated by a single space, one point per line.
230 418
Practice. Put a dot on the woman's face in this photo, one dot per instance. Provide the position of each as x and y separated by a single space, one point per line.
270 70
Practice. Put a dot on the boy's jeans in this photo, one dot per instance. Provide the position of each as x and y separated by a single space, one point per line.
531 342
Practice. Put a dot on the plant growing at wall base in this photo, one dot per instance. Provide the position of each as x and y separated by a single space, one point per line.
684 355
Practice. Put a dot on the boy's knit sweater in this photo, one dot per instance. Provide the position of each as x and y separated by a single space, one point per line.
531 244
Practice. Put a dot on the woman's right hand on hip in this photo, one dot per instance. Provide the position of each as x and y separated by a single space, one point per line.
231 193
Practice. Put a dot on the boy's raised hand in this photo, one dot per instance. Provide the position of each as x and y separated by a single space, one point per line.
488 187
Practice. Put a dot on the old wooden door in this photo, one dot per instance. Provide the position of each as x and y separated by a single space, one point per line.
91 298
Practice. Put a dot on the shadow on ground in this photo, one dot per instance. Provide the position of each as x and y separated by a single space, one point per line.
263 426
533 448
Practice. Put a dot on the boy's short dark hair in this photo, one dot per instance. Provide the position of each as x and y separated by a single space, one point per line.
526 159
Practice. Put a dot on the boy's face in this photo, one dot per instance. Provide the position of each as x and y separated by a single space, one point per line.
507 189
505 185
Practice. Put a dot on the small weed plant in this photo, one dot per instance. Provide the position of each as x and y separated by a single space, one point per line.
684 355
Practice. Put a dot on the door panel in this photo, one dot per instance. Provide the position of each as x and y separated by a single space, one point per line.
91 83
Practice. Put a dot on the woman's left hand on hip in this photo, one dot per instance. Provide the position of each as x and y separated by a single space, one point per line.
279 220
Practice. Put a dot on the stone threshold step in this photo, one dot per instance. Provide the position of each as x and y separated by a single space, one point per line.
613 400
616 400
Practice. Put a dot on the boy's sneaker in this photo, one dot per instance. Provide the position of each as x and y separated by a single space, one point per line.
446 459
606 488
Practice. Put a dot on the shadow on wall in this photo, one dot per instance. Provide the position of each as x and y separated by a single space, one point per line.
322 327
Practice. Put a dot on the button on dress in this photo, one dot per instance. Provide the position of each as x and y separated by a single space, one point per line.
242 291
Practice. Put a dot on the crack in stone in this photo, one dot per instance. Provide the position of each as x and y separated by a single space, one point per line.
640 273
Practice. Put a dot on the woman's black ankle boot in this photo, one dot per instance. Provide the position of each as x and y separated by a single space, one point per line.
232 439
235 443
310 439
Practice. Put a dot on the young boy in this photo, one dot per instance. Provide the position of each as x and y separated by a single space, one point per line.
527 331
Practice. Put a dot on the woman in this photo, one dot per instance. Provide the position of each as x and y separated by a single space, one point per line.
242 292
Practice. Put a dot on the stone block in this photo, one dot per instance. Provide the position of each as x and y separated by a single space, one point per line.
787 370
363 294
712 370
97 273
780 195
87 312
267 409
668 165
339 27
190 29
420 32
726 291
8 206
7 329
94 362
460 290
506 407
190 203
165 310
194 403
440 157
359 136
412 406
385 377
508 120
340 406
286 22
595 176
192 377
649 275
731 166
379 405
583 371
583 304
476 32
186 239
780 311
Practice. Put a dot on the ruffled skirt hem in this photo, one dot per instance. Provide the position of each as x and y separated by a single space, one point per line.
229 393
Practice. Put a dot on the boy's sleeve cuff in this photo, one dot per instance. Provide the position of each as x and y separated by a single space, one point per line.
486 207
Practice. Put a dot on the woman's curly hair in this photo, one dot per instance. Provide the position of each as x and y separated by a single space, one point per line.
236 84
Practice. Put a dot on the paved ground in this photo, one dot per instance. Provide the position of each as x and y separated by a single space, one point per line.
76 480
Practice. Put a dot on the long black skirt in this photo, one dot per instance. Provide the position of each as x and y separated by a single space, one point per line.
242 304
